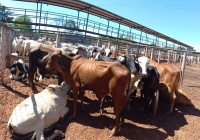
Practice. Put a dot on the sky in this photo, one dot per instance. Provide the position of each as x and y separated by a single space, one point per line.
178 19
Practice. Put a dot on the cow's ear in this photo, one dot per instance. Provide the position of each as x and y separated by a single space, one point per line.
49 88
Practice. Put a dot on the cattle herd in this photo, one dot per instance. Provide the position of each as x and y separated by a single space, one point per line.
79 68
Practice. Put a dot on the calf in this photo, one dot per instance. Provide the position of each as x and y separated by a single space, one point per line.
150 85
39 111
19 70
101 77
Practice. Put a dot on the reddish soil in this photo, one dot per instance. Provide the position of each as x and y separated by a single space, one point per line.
183 124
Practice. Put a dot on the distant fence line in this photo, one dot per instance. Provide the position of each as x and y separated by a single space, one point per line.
155 53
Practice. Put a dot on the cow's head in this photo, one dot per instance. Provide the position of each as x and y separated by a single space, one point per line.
129 62
143 62
55 89
54 62
80 50
59 90
13 68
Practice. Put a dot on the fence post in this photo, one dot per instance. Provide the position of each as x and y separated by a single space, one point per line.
183 66
8 47
158 56
2 53
58 40
168 55
152 53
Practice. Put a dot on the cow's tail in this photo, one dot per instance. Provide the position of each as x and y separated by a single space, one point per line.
179 82
19 137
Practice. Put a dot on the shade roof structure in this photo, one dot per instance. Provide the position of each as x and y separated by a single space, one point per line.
97 11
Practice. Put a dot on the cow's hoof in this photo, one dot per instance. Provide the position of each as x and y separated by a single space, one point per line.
112 132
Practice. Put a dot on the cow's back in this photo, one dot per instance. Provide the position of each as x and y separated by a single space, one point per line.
93 73
170 76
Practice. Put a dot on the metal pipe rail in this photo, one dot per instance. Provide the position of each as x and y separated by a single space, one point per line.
59 20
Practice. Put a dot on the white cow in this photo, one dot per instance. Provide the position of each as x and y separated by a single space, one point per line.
27 45
39 111
17 45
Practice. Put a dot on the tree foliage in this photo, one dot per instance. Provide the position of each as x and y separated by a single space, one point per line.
71 24
22 19
5 15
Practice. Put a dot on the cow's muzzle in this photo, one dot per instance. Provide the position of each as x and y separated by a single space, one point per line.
144 75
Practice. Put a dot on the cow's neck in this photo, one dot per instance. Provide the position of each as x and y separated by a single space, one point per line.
66 66
137 67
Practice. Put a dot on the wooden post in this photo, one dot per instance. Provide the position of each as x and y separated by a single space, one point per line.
146 51
98 43
198 61
58 40
175 57
108 45
8 47
158 56
183 66
128 50
2 53
168 55
152 53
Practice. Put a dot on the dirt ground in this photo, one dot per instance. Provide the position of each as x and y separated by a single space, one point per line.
183 124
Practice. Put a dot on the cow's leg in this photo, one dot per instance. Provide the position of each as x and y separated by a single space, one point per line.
75 96
81 96
101 105
31 73
39 134
156 102
172 99
60 79
118 105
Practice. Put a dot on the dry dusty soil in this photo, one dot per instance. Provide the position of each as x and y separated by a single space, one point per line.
183 124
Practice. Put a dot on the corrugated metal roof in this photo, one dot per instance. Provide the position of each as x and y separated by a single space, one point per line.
97 11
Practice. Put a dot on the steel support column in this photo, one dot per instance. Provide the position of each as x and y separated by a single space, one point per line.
107 28
86 27
117 41
40 18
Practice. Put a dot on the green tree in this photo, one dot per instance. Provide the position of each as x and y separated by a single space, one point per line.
5 15
24 25
71 24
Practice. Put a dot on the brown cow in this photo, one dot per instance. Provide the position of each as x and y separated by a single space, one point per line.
38 59
99 76
170 80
